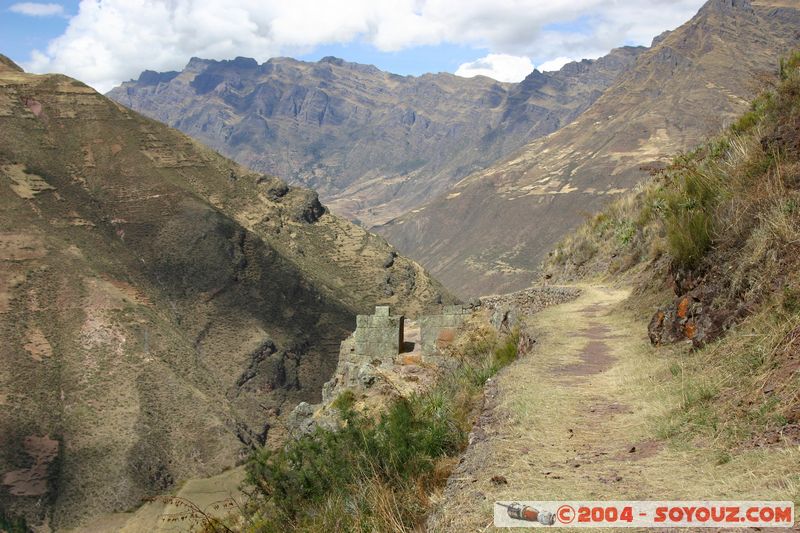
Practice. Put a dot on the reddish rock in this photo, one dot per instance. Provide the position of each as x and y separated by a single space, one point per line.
683 307
690 330
689 317
410 359
446 337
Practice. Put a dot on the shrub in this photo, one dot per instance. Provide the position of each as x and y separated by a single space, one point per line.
624 232
688 236
328 479
507 352
12 524
746 122
688 205
789 65
791 300
345 401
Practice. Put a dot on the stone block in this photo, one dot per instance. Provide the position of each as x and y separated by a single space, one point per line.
381 322
438 331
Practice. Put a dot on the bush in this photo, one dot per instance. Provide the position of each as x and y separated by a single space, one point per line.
688 236
624 232
791 300
789 65
345 401
12 524
746 122
688 205
328 479
507 352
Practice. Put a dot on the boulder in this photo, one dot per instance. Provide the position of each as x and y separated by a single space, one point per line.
690 317
389 261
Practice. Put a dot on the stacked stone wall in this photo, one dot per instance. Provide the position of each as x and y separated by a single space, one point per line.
438 331
379 335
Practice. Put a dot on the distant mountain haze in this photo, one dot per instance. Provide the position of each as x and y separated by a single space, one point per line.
490 232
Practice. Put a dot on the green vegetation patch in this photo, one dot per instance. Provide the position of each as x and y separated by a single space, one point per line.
376 473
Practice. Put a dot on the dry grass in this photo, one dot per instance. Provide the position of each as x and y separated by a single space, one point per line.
726 215
565 436
380 471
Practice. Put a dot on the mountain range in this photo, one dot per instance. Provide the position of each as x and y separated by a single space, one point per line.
373 144
163 308
691 82
476 179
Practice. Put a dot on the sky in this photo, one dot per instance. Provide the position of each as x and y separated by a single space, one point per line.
105 42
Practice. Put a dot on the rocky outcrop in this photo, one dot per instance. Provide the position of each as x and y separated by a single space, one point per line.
698 315
684 319
162 308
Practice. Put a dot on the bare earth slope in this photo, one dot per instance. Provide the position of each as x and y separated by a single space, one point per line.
161 308
574 421
490 232
374 144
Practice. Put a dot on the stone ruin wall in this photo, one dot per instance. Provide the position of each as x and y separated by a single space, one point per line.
378 350
438 331
379 336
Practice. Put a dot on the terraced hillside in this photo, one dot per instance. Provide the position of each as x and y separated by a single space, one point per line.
161 308
374 144
491 231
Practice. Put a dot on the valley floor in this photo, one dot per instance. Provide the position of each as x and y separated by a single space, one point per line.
578 419
163 515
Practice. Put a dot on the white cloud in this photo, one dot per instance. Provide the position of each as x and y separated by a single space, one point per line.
501 67
555 64
36 9
113 40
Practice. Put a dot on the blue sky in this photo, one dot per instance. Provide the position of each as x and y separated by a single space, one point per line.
19 34
104 42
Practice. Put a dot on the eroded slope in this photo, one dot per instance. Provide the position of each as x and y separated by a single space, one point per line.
160 306
492 230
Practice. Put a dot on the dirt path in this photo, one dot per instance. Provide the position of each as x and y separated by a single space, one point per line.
577 419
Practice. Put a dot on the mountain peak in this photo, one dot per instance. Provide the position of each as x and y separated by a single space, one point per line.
151 77
242 62
7 64
726 6
333 60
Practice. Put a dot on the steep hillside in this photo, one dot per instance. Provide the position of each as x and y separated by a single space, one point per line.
374 144
161 308
490 232
710 246
705 408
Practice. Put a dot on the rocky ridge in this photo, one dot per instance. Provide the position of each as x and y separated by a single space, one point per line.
492 229
374 144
